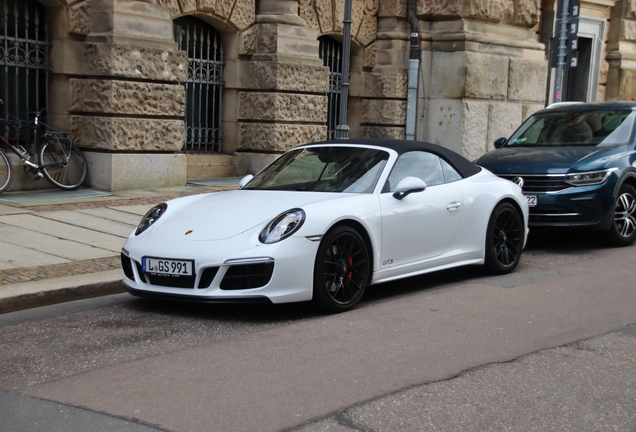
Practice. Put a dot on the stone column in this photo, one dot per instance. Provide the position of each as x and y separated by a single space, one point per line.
120 93
621 52
282 100
484 68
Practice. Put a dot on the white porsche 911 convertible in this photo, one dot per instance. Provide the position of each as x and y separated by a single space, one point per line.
324 221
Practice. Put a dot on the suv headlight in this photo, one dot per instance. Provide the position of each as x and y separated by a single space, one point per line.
151 217
589 178
282 226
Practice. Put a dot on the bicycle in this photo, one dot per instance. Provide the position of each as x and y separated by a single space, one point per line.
59 160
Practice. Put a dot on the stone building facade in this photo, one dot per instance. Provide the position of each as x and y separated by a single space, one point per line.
116 76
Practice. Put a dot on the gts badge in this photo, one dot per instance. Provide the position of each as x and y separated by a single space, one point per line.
387 262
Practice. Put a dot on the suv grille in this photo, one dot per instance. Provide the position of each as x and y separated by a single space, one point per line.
540 183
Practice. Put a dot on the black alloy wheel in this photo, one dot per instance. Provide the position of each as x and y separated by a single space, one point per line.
504 239
341 271
622 231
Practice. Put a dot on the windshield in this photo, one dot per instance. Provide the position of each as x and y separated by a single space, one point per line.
575 128
323 169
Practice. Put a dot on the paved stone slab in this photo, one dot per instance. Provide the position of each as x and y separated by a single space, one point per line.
14 256
7 210
135 209
61 230
131 219
51 244
94 223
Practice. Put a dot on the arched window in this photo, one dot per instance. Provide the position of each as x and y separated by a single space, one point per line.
331 55
204 86
24 57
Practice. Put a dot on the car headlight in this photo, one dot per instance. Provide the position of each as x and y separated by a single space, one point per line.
151 217
282 226
589 178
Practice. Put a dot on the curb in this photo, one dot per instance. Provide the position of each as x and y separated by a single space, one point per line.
45 292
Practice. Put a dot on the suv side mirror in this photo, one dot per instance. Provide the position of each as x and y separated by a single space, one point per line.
500 142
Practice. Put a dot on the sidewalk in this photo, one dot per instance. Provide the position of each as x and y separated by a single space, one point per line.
58 246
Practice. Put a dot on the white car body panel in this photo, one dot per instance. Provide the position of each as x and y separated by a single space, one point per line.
441 227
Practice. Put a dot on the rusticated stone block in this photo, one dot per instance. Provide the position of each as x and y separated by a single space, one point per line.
370 55
368 30
338 11
128 134
127 97
527 80
224 7
386 85
500 11
503 119
628 30
79 18
135 62
438 8
283 107
486 77
243 14
309 15
172 5
467 74
324 11
395 8
474 129
357 14
187 6
384 111
278 137
293 77
527 12
378 132
117 171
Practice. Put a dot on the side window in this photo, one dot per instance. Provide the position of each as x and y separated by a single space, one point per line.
419 164
450 175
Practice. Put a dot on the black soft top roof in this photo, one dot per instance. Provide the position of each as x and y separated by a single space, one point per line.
464 167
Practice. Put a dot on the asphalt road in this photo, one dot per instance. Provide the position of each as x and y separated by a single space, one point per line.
455 350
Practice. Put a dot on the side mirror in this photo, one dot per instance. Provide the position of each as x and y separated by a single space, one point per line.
409 185
245 180
500 142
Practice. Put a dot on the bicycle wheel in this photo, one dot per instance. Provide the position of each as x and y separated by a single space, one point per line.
62 163
5 171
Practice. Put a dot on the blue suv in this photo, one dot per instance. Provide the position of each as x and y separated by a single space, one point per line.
576 164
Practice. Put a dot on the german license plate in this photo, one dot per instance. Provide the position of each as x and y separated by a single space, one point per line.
532 200
165 266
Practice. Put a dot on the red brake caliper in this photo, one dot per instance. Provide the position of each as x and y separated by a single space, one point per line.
350 262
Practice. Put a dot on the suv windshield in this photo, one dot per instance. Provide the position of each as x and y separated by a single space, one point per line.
575 128
323 169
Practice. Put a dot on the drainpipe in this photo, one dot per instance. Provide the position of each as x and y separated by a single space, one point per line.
414 67
342 129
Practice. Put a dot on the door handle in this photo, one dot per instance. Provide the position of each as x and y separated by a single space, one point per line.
455 205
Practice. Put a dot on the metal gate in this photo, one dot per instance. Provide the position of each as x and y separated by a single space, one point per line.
331 55
204 86
24 58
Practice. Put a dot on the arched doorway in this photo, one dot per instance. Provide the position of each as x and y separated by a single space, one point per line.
24 58
204 86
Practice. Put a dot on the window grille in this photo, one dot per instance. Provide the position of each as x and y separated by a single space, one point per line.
204 86
331 55
24 58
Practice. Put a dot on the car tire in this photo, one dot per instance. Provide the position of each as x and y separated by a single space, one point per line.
341 270
622 231
504 239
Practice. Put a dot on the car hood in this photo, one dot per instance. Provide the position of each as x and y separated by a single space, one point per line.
223 215
525 160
